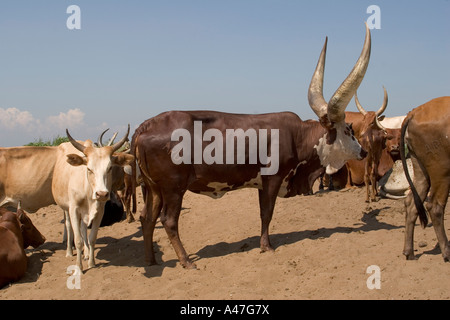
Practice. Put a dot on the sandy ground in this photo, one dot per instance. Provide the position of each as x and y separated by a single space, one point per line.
324 244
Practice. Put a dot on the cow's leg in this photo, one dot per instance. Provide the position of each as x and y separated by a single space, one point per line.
68 231
126 196
84 232
330 183
367 180
75 220
149 215
373 182
267 198
436 208
349 183
169 218
422 186
321 185
127 203
100 208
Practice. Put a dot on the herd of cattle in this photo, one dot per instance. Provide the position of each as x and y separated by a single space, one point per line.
345 148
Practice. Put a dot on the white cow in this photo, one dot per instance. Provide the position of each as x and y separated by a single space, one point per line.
393 184
81 186
392 123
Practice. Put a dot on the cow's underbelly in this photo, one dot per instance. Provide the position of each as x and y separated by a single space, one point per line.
216 190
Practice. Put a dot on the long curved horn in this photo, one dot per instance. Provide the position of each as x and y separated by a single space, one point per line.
379 125
315 92
100 138
380 111
346 91
76 144
122 141
359 106
384 105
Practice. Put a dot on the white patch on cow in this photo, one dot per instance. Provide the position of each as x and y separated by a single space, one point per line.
334 156
128 170
254 183
220 188
394 182
393 123
283 191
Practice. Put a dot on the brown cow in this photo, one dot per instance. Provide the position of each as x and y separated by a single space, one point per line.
17 233
372 136
427 131
299 152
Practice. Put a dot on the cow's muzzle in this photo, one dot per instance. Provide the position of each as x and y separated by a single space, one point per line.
362 154
102 196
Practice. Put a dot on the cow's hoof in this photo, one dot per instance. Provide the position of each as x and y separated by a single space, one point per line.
410 256
267 249
189 265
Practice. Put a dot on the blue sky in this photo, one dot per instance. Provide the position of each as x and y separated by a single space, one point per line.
132 60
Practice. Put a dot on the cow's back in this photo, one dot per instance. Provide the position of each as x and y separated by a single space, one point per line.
154 137
26 175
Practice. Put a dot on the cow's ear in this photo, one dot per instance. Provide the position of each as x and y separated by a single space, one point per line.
75 160
122 159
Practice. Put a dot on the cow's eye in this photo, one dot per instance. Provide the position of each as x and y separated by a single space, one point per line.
90 171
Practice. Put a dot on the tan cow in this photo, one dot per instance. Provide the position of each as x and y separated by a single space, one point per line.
26 176
426 131
81 186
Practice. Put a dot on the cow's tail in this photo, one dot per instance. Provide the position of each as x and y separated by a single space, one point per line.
417 201
133 173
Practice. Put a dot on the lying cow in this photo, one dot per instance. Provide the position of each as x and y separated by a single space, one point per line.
17 233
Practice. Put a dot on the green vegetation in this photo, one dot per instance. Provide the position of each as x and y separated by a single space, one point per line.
41 143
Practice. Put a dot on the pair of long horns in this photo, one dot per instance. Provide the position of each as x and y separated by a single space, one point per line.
115 146
335 108
378 113
110 142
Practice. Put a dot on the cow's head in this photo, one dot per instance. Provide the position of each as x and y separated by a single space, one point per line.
393 143
338 145
372 119
99 163
30 234
371 124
